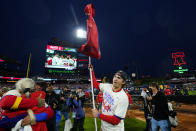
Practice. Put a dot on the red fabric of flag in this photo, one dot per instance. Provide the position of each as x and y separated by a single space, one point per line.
91 47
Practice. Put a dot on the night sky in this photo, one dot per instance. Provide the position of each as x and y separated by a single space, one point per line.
134 34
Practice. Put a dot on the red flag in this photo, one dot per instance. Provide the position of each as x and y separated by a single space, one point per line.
91 47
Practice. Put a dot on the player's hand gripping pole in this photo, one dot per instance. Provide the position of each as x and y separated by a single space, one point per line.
92 92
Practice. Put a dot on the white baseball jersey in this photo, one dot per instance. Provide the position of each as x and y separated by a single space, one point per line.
67 62
55 60
114 103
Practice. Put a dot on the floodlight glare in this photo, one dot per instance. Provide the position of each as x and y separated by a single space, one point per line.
81 33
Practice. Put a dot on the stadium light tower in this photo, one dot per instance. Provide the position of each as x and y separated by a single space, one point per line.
81 33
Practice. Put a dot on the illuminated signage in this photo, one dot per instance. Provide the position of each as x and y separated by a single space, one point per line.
70 49
178 61
61 71
83 60
1 60
51 47
178 58
10 78
180 70
60 48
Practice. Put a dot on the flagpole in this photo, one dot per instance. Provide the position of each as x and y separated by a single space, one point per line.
28 66
92 92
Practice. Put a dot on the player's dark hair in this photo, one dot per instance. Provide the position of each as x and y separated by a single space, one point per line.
153 84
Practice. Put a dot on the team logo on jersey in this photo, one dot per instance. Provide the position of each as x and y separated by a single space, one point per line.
107 102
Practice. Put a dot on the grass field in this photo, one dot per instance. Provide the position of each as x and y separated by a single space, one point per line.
192 92
131 124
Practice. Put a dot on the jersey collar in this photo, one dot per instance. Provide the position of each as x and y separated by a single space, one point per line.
117 90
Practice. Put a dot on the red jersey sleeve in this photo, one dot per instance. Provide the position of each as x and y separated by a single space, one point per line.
95 83
110 119
15 102
49 111
129 97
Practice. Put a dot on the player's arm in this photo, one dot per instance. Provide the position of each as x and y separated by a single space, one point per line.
15 102
6 122
95 83
45 115
112 119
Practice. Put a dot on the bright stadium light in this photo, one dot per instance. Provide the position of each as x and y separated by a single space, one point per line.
81 33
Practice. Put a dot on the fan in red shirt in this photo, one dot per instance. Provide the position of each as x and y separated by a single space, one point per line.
87 94
100 100
168 91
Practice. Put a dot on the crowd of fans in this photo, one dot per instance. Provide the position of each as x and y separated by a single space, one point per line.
38 105
175 90
51 101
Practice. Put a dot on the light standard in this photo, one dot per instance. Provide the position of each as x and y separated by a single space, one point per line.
80 33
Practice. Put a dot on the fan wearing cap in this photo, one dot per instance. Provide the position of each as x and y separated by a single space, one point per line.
115 102
35 113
